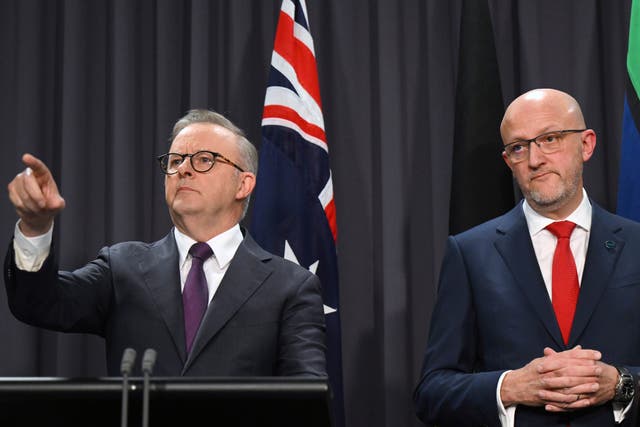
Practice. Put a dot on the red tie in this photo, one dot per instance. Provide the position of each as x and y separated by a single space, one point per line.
564 277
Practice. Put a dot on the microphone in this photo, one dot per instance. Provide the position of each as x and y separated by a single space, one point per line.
128 357
148 361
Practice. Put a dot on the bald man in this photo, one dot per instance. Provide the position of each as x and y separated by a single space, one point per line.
538 310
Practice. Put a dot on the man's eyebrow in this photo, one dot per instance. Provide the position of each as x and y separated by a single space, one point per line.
546 130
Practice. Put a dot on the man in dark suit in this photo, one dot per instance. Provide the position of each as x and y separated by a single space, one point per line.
246 312
530 329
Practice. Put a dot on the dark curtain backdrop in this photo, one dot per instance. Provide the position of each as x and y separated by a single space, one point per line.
93 88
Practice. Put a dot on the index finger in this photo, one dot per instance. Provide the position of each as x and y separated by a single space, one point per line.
38 168
576 352
583 353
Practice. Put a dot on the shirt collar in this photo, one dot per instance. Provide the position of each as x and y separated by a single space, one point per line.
224 245
581 216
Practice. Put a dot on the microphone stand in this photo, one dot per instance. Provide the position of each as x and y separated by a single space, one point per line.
148 361
128 357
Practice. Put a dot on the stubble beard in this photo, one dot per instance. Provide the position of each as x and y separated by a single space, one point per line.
550 201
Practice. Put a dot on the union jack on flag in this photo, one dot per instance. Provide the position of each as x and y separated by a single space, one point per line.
294 214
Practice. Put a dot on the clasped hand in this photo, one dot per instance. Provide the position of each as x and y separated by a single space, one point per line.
561 381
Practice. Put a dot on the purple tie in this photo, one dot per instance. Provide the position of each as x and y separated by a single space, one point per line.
195 296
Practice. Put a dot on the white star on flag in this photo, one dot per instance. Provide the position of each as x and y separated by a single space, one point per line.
291 256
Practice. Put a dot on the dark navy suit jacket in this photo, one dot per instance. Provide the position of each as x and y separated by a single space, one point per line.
265 319
493 313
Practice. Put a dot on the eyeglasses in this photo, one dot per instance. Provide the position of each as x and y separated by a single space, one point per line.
548 143
201 161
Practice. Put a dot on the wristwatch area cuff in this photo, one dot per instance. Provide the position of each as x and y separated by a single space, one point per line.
625 388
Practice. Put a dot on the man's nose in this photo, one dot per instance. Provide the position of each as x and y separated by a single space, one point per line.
536 156
185 168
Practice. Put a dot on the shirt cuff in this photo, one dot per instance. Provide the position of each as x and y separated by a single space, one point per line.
619 411
507 416
31 252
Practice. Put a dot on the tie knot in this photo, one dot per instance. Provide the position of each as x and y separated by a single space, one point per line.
200 250
561 229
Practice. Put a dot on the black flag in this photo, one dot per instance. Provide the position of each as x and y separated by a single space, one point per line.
481 185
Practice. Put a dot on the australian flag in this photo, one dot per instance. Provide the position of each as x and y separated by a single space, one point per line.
294 214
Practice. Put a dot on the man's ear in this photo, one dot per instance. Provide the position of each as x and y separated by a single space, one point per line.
588 144
506 160
246 185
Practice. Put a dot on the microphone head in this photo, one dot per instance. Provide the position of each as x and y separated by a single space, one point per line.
148 360
128 357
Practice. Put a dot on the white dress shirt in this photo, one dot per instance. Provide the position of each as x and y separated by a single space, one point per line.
224 247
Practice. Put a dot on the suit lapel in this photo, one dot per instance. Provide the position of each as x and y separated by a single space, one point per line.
514 245
246 273
160 270
605 246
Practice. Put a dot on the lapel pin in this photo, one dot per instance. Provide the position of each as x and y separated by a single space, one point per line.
609 244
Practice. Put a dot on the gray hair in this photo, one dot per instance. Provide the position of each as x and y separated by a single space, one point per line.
248 153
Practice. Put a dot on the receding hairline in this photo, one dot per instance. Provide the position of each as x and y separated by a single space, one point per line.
204 116
217 128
